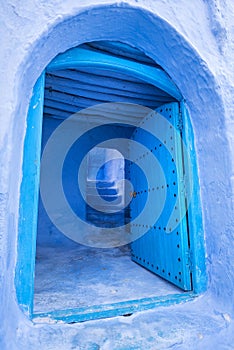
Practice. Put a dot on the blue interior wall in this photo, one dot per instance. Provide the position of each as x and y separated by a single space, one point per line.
192 42
48 234
104 165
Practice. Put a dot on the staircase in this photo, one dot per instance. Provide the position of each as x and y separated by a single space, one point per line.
109 213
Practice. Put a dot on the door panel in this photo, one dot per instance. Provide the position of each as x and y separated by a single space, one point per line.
164 248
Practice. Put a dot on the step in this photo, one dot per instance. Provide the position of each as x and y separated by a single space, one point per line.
100 184
107 224
96 213
95 199
102 191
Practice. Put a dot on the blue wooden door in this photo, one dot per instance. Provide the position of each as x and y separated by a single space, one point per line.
164 248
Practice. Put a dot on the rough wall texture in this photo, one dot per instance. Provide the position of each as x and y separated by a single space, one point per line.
193 41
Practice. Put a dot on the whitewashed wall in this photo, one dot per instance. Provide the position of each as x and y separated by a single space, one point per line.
193 41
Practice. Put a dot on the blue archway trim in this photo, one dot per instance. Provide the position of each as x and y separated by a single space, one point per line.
24 276
80 58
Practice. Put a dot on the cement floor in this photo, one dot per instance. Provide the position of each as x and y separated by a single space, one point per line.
78 276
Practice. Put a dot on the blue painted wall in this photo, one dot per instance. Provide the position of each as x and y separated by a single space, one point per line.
192 42
48 234
112 171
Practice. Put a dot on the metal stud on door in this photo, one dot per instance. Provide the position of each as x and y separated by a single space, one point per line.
164 248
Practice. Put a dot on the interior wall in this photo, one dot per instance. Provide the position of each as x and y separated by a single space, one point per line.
196 51
105 164
48 233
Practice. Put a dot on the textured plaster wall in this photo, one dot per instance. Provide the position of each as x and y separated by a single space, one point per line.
193 41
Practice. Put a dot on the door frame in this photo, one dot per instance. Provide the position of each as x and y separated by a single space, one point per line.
24 275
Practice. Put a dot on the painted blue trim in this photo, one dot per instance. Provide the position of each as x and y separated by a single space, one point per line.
77 58
29 191
112 310
197 241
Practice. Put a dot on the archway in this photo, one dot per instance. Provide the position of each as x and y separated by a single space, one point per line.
136 45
